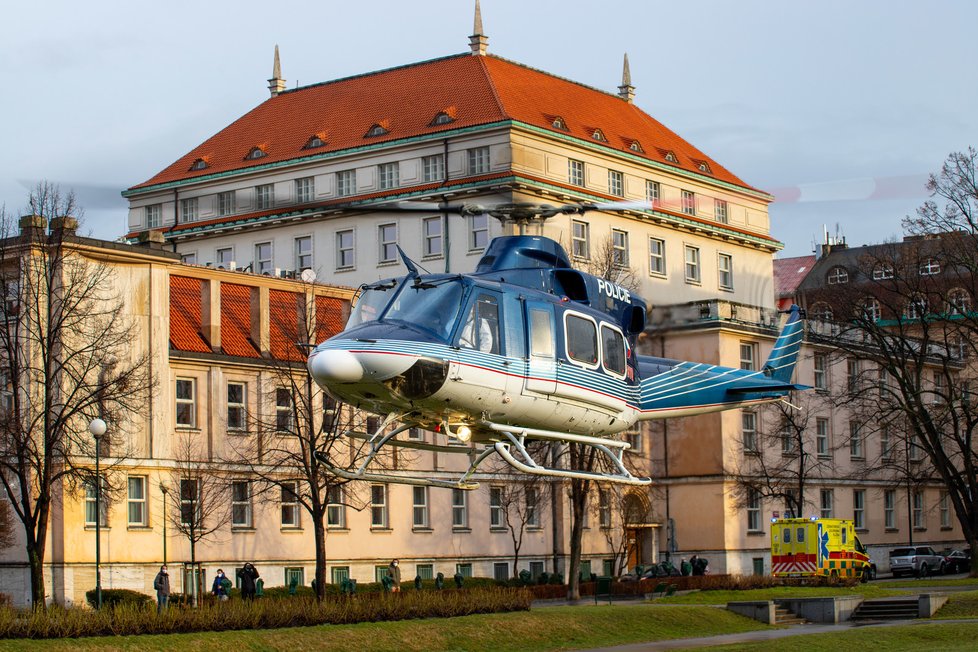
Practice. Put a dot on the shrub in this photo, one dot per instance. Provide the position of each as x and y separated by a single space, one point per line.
5 600
113 597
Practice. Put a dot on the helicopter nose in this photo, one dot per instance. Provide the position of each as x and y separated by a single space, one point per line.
335 366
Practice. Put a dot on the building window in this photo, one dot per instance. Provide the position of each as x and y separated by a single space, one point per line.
154 216
188 209
859 509
241 503
616 183
633 437
725 271
653 192
619 248
137 501
692 264
254 153
604 508
335 509
886 443
838 276
224 257
657 256
916 450
189 503
689 202
420 498
478 160
189 259
283 410
889 509
316 140
532 507
460 508
748 356
580 239
584 570
852 374
500 571
536 569
339 574
264 196
918 511
930 267
90 508
432 237
753 510
720 211
424 571
388 175
186 403
295 576
433 168
303 253
788 442
855 441
378 505
916 307
263 258
958 302
871 310
820 363
236 406
826 500
346 183
882 271
944 506
495 507
290 505
199 164
748 429
822 437
478 232
465 570
225 203
387 239
416 434
575 172
345 254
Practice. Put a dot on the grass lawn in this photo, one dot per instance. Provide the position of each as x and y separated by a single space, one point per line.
960 605
899 638
556 628
868 591
910 583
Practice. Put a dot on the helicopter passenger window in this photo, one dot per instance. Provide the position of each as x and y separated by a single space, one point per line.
541 333
485 336
613 347
582 340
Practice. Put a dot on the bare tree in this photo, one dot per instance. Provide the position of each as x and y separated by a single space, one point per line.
521 505
6 524
610 513
612 264
65 358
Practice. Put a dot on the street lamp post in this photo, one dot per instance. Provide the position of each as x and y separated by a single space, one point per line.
165 490
97 428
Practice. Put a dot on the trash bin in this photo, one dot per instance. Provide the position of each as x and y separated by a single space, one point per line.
603 588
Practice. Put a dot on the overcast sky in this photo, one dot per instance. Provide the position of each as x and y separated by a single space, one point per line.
817 98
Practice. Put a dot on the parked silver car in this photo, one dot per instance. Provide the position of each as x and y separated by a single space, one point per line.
920 561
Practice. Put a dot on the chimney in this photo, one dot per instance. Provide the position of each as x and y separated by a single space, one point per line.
478 41
210 312
64 226
151 239
260 327
626 91
276 84
33 225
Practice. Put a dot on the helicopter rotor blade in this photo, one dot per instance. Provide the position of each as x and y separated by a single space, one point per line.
432 207
615 206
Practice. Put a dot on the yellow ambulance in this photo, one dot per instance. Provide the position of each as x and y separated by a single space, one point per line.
818 547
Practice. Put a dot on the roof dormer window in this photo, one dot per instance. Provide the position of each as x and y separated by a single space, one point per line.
671 157
375 130
316 140
838 275
636 146
442 118
703 166
256 152
597 134
199 164
558 123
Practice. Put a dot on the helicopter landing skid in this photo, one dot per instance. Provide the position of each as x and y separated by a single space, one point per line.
394 479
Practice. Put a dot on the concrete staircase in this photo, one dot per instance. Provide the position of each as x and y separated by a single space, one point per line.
888 609
784 616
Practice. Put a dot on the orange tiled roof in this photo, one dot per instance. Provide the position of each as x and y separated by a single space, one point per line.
236 321
283 318
789 273
480 90
185 319
329 317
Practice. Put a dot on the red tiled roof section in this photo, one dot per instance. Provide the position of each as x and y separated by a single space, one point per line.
185 319
284 312
236 321
482 89
329 317
789 273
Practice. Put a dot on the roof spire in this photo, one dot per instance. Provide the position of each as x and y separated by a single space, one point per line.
626 91
478 42
276 84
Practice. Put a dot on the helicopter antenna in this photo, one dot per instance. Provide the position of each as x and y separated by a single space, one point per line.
412 268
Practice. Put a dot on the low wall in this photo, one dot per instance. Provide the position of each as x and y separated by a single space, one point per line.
762 610
822 610
929 604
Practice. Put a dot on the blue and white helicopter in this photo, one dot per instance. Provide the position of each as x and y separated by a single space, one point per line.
525 348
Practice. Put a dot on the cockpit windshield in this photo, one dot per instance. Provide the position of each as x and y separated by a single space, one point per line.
432 305
371 302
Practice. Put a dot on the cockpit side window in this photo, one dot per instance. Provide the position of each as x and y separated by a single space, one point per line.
613 349
581 339
481 330
430 305
371 303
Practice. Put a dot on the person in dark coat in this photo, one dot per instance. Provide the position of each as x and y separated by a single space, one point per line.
248 575
394 572
219 588
162 586
694 563
685 567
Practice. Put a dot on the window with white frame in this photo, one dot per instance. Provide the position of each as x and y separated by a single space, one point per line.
882 271
619 248
919 523
478 160
826 500
224 256
189 258
859 509
853 371
387 241
748 356
536 569
432 230
720 211
820 364
944 507
748 430
378 506
225 203
930 267
236 406
657 256
460 508
295 575
416 434
241 503
692 264
478 232
303 253
305 190
838 275
420 506
263 258
958 302
822 437
725 271
189 209
433 168
190 501
653 192
388 175
264 196
689 202
939 393
532 506
465 570
346 183
753 510
575 172
154 216
186 407
889 509
289 500
137 501
345 253
633 437
916 450
424 571
90 508
872 310
339 574
788 439
855 440
616 183
604 508
284 410
496 507
886 442
581 239
335 508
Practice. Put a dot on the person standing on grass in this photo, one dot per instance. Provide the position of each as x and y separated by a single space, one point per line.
394 572
162 586
248 575
219 589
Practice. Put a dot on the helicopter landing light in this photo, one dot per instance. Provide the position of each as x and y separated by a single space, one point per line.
463 433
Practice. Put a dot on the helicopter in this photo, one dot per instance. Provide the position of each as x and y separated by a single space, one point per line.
525 348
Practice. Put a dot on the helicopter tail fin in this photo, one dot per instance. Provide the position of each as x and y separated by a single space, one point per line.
780 364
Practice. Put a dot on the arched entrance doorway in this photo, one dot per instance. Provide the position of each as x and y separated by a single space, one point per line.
640 540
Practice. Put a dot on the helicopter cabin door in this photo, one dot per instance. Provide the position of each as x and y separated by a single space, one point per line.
541 371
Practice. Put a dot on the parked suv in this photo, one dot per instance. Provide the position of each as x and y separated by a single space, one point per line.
920 561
